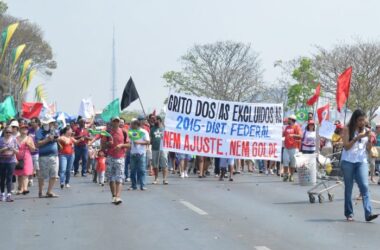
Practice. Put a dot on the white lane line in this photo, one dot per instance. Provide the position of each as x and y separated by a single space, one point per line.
262 248
194 208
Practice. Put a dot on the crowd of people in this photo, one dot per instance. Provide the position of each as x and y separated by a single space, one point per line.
127 152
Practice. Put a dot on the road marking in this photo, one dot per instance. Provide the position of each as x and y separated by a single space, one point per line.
262 248
194 208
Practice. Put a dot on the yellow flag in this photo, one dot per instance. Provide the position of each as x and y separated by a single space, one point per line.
6 37
16 53
28 79
24 68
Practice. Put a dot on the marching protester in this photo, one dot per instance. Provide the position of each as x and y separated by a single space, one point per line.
292 134
309 138
372 154
48 157
225 163
81 149
66 155
139 138
356 143
116 148
34 127
100 167
183 160
24 167
160 159
8 152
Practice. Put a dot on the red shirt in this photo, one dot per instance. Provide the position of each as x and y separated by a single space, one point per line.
100 164
82 132
117 139
291 142
66 148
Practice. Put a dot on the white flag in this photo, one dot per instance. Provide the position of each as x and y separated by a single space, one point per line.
61 119
86 109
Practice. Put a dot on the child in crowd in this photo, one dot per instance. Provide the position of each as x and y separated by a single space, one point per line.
101 167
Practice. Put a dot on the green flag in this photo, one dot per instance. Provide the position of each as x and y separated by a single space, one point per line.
112 109
7 109
99 132
302 115
135 134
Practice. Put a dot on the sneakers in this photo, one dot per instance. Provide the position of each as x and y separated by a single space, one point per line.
182 175
118 201
165 182
62 186
155 182
9 198
128 180
113 199
2 197
30 183
186 175
67 185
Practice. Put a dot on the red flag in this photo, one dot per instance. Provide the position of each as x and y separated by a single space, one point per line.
315 97
31 109
323 113
343 88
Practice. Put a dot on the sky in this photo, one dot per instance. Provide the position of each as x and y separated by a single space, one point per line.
151 36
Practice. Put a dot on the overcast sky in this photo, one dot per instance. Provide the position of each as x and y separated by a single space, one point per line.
151 35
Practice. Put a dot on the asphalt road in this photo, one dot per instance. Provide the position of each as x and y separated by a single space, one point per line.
254 212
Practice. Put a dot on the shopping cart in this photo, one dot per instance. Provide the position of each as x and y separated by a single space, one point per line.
330 176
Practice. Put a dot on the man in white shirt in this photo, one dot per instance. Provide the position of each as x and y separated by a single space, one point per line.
139 138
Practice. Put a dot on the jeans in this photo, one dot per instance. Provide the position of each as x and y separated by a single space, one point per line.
359 172
138 170
81 153
65 162
6 174
127 164
217 166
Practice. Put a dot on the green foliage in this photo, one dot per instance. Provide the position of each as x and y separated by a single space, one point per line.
299 93
3 7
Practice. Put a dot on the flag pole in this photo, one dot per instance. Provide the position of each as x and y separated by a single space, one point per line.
142 106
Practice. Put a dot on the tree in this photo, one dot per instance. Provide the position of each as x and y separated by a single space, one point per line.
364 57
299 80
36 49
222 70
3 7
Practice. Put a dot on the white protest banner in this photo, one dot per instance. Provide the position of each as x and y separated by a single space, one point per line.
326 129
215 128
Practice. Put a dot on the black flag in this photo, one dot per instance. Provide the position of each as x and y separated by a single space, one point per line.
129 95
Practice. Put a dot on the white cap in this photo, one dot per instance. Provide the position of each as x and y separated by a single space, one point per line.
14 124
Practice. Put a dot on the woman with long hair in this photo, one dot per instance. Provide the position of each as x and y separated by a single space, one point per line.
308 142
356 144
66 155
26 146
8 152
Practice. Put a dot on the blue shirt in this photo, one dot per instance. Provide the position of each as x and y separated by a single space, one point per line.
50 148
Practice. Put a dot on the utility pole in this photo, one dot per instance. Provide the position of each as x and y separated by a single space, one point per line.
113 68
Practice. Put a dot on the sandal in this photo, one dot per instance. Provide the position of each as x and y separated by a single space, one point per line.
40 195
26 192
51 195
